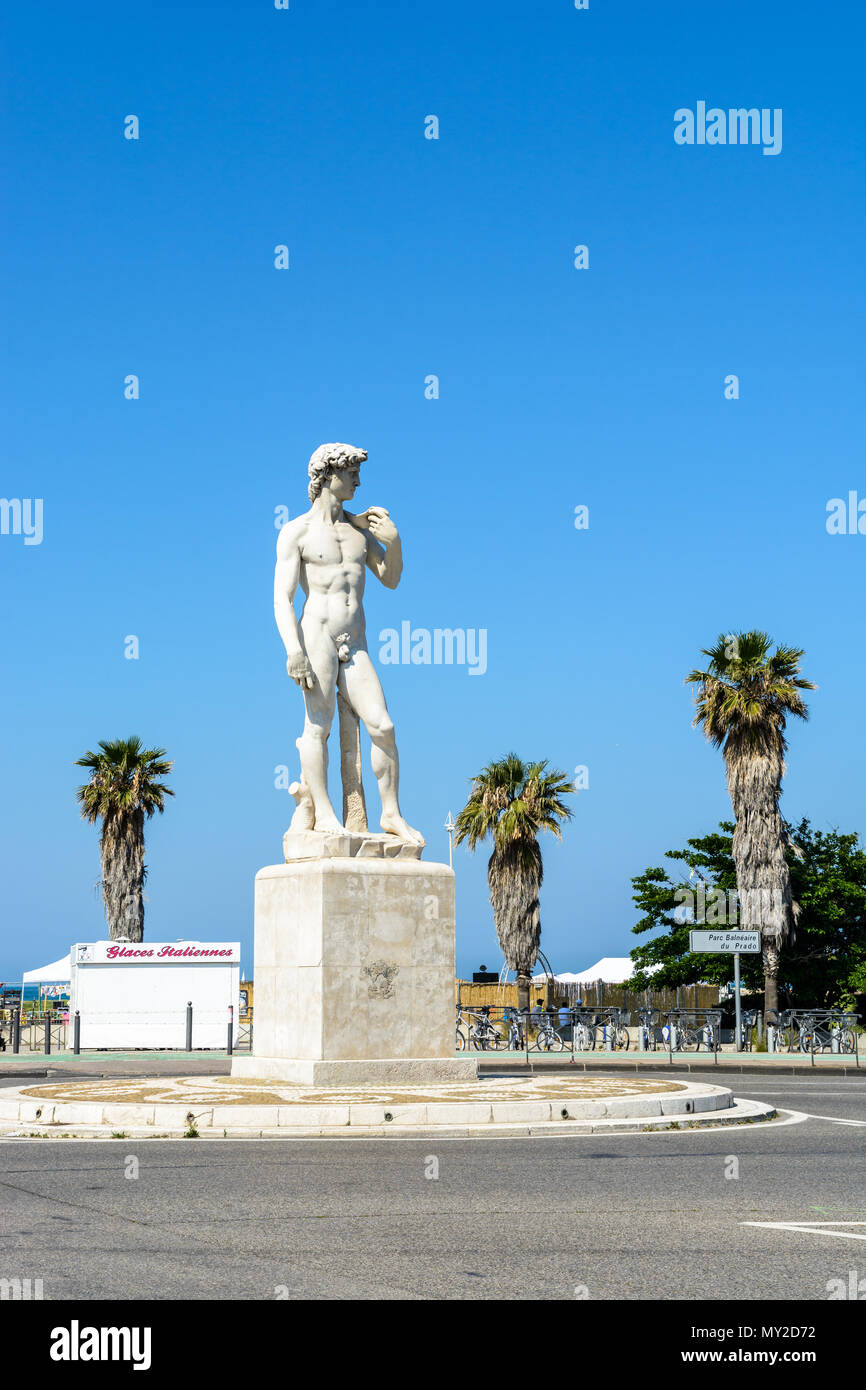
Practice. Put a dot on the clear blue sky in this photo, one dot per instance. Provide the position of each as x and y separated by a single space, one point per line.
559 387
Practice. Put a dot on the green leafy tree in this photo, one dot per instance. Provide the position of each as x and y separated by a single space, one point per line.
123 791
828 877
827 963
743 700
661 894
511 803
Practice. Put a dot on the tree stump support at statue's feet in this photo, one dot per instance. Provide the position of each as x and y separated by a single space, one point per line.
354 805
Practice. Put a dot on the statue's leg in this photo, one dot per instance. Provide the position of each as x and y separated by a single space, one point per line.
313 743
364 692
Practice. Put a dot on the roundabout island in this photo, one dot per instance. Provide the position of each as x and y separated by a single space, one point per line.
232 1107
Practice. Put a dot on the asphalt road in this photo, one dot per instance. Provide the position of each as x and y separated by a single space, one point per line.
598 1217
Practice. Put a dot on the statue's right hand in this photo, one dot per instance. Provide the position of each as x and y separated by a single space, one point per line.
301 671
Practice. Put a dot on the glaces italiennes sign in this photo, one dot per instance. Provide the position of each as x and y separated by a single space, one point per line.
156 953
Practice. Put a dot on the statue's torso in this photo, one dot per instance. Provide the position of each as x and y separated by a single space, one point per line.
333 560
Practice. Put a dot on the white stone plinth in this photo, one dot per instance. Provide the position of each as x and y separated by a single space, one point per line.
354 974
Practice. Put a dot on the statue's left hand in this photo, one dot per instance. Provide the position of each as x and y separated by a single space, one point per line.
380 525
361 520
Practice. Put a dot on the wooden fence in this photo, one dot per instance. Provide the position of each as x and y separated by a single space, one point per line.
470 996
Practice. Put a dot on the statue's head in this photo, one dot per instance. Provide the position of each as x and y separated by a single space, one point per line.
337 466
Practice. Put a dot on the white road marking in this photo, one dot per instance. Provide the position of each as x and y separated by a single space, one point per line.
796 1117
791 1117
834 1119
812 1228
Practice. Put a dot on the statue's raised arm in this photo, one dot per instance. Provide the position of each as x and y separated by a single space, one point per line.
384 549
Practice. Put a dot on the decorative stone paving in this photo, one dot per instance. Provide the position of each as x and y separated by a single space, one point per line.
227 1090
236 1107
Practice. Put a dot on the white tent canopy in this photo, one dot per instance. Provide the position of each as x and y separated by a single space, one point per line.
58 972
612 970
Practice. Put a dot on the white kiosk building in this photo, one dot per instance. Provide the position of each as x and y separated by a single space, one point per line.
135 994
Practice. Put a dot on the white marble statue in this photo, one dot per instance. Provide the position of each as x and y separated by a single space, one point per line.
326 551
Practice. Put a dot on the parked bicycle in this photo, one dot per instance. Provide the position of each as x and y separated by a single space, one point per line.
547 1039
618 1034
480 1033
595 1029
685 1037
648 1020
515 1032
748 1020
818 1030
684 1032
787 1030
584 1033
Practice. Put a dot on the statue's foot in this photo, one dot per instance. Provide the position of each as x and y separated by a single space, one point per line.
329 825
395 825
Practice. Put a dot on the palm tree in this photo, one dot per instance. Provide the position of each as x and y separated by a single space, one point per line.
123 790
511 803
742 702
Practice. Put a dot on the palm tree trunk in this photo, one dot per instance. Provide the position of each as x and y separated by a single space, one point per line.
514 877
123 875
771 977
523 983
763 876
110 888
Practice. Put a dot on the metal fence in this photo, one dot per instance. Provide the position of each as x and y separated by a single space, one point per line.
46 1032
33 1031
500 1028
815 1031
607 1028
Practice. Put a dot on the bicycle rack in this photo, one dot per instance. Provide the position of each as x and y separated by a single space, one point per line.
810 1023
648 1030
707 1022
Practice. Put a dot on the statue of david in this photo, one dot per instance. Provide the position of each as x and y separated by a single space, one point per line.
327 551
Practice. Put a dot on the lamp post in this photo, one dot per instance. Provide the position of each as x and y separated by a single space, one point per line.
450 826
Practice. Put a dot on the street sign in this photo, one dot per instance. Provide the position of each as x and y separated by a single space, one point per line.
747 943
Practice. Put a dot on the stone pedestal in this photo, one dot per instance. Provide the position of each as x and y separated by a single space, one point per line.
354 974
